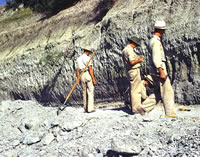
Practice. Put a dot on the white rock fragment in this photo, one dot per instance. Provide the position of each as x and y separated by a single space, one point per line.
47 139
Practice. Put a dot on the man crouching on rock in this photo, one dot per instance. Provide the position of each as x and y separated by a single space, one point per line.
87 80
132 64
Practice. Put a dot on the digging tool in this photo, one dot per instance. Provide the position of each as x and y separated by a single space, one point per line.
157 76
154 75
77 81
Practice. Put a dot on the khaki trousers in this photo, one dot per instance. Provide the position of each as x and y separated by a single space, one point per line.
166 93
88 92
149 103
135 88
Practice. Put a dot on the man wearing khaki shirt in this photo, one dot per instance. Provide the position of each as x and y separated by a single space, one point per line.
132 64
87 80
158 57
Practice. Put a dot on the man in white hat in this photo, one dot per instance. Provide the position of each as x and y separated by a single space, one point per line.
87 80
132 64
158 58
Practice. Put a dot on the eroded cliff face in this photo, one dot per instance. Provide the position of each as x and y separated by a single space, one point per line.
38 57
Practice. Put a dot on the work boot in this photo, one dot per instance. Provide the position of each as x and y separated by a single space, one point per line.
141 110
171 116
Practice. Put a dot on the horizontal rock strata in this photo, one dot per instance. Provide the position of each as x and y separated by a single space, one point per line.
38 56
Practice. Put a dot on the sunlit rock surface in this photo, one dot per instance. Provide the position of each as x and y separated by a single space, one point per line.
30 129
37 56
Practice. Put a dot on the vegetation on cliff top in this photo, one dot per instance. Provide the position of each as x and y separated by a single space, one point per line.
20 14
52 6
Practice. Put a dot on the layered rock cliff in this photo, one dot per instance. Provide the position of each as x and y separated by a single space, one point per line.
37 56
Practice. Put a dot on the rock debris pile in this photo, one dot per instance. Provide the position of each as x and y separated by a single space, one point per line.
28 129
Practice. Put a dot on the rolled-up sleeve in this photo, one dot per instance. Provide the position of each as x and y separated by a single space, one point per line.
131 55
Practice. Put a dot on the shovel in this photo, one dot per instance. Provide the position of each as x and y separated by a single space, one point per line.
77 81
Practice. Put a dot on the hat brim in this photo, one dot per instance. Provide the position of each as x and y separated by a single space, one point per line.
138 44
87 50
157 27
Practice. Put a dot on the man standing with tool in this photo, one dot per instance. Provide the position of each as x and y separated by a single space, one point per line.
158 58
87 79
132 64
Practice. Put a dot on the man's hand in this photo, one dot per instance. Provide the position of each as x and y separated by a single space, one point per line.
140 59
162 73
94 81
146 83
137 60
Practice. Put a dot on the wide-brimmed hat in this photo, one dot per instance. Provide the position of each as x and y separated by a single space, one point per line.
149 79
135 40
160 25
87 48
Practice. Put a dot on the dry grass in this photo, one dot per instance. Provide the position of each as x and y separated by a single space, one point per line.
20 14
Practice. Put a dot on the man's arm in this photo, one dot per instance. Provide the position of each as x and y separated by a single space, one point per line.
157 59
78 74
132 57
138 60
156 54
92 75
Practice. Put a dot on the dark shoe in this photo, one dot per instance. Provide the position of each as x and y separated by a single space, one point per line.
91 111
141 110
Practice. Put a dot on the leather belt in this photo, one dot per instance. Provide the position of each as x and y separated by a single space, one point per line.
82 70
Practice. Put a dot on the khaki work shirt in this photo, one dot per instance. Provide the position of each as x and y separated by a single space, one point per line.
129 55
158 54
82 61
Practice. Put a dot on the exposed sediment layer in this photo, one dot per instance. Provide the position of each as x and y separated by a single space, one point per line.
37 58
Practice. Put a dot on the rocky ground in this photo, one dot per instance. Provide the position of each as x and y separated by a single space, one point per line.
28 129
37 62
